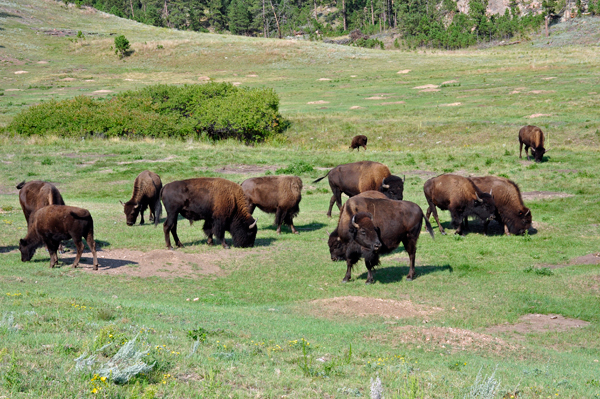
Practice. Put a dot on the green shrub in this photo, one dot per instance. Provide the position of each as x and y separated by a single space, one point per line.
296 168
122 45
214 110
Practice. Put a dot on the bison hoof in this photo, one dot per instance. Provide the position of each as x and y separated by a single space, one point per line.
345 280
296 232
369 282
96 266
409 278
443 233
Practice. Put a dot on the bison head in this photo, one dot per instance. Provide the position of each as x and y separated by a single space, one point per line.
393 187
538 153
519 224
484 206
27 250
243 232
337 248
132 210
364 232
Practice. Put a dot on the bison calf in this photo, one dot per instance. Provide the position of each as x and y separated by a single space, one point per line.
532 136
359 141
37 194
280 195
146 194
54 223
460 196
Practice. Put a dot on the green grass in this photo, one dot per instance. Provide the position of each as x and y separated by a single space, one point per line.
256 313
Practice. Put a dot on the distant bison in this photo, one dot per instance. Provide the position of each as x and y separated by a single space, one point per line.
370 227
37 194
280 195
219 202
359 141
532 136
460 196
355 178
146 194
54 223
511 213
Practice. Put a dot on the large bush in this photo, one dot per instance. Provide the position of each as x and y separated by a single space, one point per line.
214 110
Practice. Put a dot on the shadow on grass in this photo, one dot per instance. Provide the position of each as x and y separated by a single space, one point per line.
71 247
394 274
305 228
7 15
259 242
8 248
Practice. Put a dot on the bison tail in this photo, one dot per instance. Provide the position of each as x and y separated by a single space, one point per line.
321 178
428 227
20 185
157 210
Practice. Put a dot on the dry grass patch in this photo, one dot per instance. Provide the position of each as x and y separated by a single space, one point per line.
539 323
539 195
357 306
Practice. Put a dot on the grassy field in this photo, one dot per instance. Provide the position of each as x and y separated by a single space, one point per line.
275 320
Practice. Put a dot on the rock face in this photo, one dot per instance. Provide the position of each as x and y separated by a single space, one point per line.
526 7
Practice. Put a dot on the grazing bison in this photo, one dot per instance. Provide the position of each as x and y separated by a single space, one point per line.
532 136
460 196
511 213
37 194
355 178
369 227
219 202
275 194
54 223
359 141
146 194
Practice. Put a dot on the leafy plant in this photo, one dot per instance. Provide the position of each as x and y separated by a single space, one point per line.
484 387
122 46
296 168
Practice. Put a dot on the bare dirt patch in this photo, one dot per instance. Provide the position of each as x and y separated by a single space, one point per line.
449 82
448 338
324 79
376 98
589 259
244 169
20 72
538 195
167 159
318 102
357 107
429 90
403 71
450 105
429 86
539 323
537 116
356 306
393 103
156 263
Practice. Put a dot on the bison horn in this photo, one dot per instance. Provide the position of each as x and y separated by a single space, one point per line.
527 213
121 202
253 224
326 232
386 186
478 199
339 238
354 223
491 191
403 180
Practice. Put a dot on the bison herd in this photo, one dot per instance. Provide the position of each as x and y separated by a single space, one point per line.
373 222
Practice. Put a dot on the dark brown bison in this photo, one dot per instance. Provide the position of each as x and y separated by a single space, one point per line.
146 194
54 223
355 178
511 213
460 196
532 136
219 202
280 195
37 194
359 141
370 227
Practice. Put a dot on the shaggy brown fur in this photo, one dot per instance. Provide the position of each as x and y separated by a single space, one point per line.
220 203
280 195
532 136
54 223
460 196
359 141
511 213
146 194
37 194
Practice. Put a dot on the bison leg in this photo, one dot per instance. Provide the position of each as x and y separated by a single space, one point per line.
142 221
208 231
435 216
151 211
370 272
485 226
89 240
527 152
331 202
79 245
219 231
337 198
348 275
520 149
52 248
279 216
170 226
410 246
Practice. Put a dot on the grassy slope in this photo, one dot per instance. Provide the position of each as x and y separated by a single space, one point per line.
263 301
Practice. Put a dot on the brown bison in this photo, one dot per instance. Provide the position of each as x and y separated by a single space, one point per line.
146 193
37 194
54 223
460 196
369 227
359 141
275 194
355 178
219 202
511 213
532 136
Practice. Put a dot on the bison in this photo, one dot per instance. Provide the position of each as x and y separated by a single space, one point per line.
511 213
370 227
146 193
359 141
54 223
37 194
355 178
532 136
219 202
275 194
460 196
